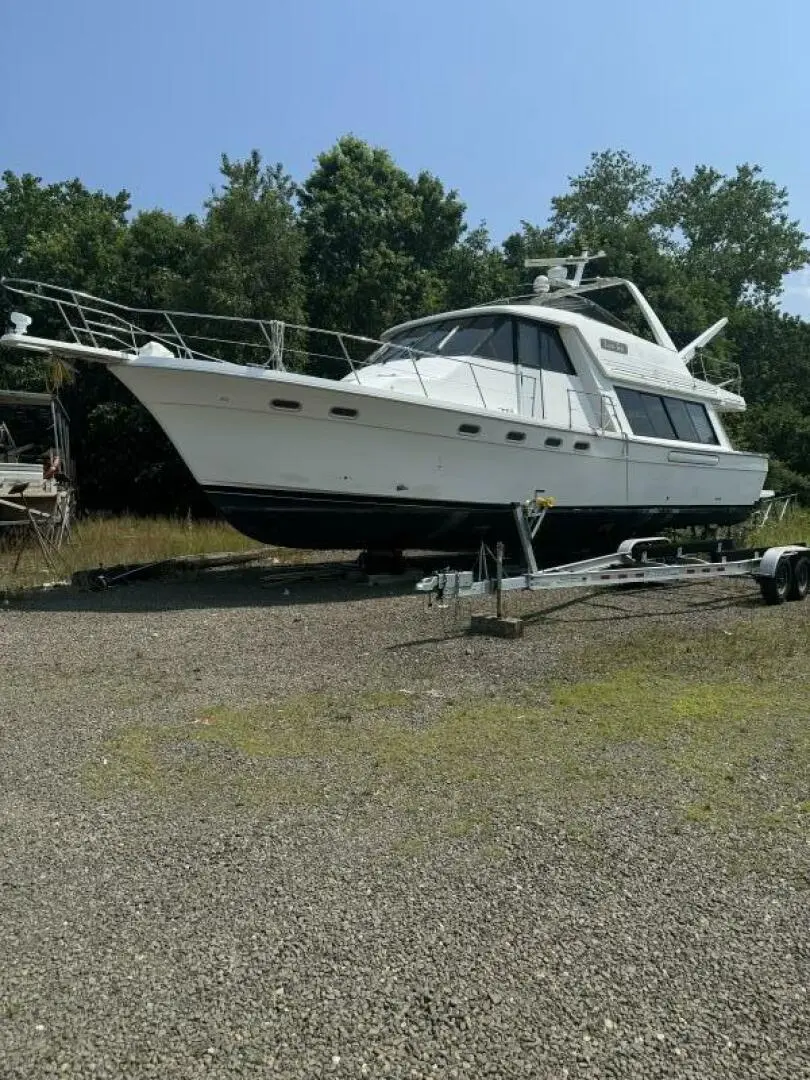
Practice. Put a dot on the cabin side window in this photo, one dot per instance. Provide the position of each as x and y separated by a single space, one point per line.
703 425
529 345
540 346
659 417
555 357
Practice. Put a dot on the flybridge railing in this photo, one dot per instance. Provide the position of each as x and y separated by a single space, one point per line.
719 372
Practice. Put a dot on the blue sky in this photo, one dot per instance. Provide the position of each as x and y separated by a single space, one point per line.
502 99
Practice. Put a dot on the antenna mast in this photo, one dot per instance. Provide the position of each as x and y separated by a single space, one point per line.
557 264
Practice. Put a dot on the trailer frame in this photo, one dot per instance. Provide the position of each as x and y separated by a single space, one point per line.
782 571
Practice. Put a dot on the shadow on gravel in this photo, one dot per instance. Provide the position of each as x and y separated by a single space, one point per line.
631 604
439 639
220 589
601 608
248 587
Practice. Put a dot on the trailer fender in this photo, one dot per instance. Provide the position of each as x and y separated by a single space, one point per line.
770 560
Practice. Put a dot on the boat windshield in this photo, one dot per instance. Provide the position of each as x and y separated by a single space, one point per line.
611 304
581 305
487 336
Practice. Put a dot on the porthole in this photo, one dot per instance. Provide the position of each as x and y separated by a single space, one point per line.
285 403
552 440
338 410
582 446
469 429
515 436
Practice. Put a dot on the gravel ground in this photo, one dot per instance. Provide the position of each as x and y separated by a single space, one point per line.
147 935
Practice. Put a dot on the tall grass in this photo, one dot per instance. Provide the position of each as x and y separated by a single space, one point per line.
795 525
103 542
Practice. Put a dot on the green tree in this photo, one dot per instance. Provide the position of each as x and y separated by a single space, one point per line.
704 242
248 261
61 233
613 192
734 230
475 271
773 351
158 260
375 239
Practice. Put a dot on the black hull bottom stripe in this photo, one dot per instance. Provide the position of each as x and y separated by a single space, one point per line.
357 522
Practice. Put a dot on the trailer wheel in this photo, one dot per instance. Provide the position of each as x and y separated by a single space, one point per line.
776 589
800 579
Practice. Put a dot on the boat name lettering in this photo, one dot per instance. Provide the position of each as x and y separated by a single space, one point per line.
613 346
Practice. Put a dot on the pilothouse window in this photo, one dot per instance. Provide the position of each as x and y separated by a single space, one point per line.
414 342
530 344
556 358
682 421
488 337
700 419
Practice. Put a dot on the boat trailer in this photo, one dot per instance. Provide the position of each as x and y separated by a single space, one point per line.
783 572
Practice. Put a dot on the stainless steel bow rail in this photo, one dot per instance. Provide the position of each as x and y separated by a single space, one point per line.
783 572
97 329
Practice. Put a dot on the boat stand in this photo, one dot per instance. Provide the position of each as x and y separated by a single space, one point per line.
49 529
783 573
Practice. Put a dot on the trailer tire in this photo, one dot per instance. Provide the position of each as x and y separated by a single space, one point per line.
777 589
800 578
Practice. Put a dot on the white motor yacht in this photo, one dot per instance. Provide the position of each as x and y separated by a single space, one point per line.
427 438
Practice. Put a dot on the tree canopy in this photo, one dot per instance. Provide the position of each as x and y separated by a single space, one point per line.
360 244
375 239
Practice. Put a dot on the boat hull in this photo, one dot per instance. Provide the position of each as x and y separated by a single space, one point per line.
340 522
310 463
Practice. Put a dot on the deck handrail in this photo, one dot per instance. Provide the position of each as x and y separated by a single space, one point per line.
282 345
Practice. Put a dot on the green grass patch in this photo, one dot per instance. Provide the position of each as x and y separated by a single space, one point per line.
715 750
102 542
759 644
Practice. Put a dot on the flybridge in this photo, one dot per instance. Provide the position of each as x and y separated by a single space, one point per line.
557 279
